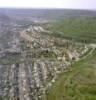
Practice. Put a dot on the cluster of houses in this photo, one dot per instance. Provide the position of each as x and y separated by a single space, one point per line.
42 58
50 56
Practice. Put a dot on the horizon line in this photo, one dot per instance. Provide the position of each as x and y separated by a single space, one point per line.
47 8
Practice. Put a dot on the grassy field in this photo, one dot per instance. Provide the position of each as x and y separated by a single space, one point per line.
81 29
77 83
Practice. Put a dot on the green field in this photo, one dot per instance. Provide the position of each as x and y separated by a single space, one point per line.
81 29
79 80
77 83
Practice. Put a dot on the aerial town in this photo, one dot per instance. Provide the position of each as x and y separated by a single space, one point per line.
31 59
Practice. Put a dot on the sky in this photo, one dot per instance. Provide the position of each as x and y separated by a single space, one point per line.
74 4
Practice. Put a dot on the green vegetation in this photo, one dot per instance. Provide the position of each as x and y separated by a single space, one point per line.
77 83
81 29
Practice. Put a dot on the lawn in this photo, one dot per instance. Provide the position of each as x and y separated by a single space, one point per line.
77 83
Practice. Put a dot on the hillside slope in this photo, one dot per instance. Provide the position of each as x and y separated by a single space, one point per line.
77 83
81 29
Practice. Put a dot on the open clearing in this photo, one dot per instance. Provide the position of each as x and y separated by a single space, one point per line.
82 29
77 83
